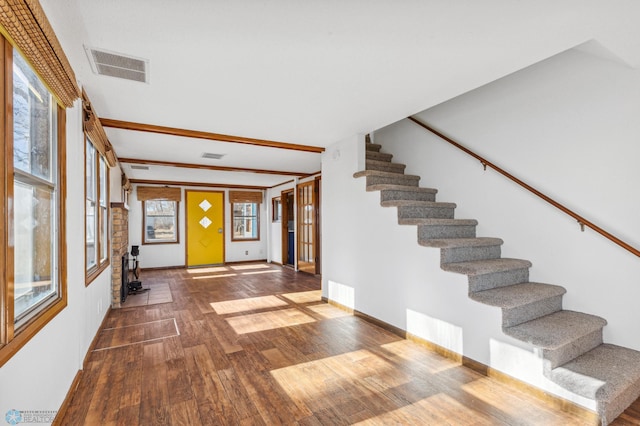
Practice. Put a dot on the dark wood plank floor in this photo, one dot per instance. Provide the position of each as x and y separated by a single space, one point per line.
254 345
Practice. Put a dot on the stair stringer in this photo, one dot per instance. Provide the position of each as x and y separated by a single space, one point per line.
571 345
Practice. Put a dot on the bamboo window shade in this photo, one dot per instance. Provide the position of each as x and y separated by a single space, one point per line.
146 193
26 26
245 197
93 128
126 183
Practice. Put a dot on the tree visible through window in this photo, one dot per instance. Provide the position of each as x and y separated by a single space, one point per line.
35 192
32 282
160 224
245 221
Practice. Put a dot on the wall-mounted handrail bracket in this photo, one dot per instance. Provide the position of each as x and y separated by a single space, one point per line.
581 220
484 165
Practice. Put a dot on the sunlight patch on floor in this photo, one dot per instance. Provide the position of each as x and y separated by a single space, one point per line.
415 353
207 270
268 320
328 311
357 374
247 267
434 410
304 296
249 304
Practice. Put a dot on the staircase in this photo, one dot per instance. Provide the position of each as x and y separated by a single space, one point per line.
571 343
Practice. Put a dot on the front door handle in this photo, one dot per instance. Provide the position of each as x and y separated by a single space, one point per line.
219 230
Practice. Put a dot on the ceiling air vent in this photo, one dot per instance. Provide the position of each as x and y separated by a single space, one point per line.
212 156
135 167
117 65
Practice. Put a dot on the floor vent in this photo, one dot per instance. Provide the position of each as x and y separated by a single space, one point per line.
117 65
134 167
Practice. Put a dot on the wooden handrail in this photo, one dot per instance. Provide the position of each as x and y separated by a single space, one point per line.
485 163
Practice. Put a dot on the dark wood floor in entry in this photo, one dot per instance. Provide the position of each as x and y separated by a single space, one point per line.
252 344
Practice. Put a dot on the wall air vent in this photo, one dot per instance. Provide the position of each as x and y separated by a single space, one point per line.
212 156
136 167
118 65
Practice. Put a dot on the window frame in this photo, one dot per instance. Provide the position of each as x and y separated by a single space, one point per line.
101 212
14 336
233 221
176 218
276 209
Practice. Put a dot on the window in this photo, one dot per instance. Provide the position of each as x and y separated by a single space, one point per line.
32 278
96 211
160 222
245 221
276 209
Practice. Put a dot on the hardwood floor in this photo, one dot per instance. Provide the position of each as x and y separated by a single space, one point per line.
253 344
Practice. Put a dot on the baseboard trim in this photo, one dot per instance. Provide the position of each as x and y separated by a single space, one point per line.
589 417
57 421
337 305
163 267
240 262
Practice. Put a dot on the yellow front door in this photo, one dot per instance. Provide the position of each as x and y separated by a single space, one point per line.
205 228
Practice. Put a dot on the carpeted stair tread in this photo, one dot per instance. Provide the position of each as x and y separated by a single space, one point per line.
461 242
385 166
556 330
376 177
403 203
512 296
481 267
380 173
570 343
380 156
393 187
438 222
609 374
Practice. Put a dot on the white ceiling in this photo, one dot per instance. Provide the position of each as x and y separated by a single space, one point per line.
308 72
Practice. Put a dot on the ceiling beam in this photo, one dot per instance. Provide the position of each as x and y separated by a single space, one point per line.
152 128
203 184
210 167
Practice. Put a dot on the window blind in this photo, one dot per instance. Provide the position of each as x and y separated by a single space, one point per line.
95 131
245 197
25 24
145 193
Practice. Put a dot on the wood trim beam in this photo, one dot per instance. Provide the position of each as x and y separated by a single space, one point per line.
283 183
198 184
152 128
210 167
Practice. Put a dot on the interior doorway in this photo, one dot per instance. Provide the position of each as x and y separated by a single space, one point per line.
308 226
288 228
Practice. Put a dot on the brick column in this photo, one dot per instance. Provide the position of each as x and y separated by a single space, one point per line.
119 246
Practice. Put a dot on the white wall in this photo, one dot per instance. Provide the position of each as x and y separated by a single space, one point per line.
569 127
115 185
39 375
275 228
168 255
